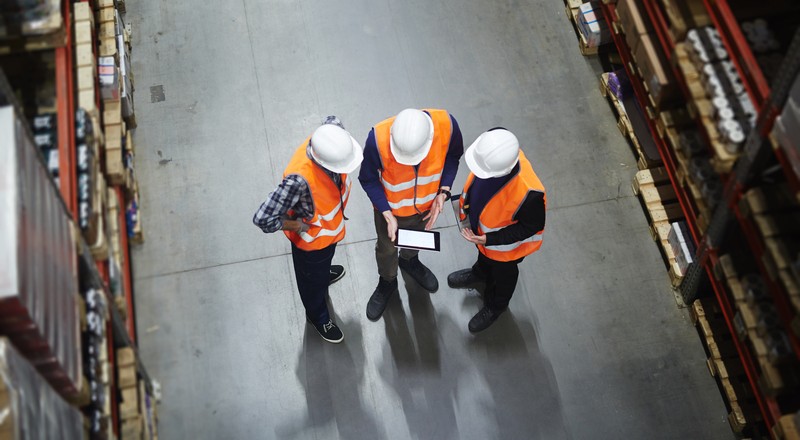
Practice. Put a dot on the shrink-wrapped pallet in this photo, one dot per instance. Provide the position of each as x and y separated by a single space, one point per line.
38 262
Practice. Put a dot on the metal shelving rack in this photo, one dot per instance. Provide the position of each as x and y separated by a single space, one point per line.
123 331
757 150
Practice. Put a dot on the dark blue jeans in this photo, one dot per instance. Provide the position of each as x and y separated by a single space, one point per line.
312 270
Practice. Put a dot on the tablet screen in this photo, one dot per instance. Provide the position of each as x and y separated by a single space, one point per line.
416 239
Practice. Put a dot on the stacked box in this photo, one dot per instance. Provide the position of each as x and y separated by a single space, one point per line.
592 24
31 408
129 411
39 286
85 61
681 244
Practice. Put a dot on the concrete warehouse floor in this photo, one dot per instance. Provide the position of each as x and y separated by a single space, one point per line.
594 346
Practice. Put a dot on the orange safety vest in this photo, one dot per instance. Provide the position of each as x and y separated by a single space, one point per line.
500 210
404 186
327 225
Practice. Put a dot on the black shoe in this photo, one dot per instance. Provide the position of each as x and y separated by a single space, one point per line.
337 272
483 319
329 331
463 279
380 297
421 274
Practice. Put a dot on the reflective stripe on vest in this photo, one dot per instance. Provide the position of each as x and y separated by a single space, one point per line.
322 233
401 183
410 202
508 247
410 184
326 226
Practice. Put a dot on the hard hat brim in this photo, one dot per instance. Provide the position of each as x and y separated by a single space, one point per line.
478 170
346 166
405 159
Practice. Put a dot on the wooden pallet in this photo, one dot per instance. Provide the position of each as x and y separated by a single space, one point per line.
572 9
625 126
661 208
726 368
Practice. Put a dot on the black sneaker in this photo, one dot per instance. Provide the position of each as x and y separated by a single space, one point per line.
380 298
483 319
337 272
421 274
329 331
463 279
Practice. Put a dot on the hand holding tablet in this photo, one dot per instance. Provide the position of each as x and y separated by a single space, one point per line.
421 240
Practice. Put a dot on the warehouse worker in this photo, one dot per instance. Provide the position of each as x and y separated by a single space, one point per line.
505 204
411 162
309 207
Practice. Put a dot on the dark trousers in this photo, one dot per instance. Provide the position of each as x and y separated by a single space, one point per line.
501 280
312 270
385 252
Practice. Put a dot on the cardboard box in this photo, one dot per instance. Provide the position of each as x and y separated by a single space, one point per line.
125 357
592 25
106 14
108 47
127 376
83 32
683 15
129 407
84 55
656 74
86 100
82 12
86 78
112 114
131 429
634 22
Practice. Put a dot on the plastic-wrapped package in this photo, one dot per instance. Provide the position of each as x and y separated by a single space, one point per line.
38 262
30 408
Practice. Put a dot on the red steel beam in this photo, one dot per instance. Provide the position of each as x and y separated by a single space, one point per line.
65 103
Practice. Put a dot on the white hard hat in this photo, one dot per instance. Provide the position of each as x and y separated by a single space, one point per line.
334 148
493 154
411 136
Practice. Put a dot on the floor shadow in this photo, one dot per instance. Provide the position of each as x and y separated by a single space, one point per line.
412 366
525 400
331 377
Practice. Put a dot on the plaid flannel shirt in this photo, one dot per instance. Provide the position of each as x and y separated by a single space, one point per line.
292 193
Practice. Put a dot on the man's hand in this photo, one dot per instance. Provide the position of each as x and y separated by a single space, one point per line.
436 209
472 238
294 226
391 224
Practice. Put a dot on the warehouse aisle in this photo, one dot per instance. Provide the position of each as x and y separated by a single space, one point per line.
594 346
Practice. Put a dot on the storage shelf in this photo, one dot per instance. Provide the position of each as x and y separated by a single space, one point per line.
779 294
758 90
739 50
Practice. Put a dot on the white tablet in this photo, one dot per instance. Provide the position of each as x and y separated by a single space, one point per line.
422 240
